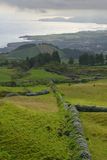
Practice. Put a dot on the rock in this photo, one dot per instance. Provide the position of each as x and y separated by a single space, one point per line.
37 93
12 94
90 108
85 155
81 141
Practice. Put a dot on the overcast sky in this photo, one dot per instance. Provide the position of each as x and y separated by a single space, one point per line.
23 17
93 9
58 4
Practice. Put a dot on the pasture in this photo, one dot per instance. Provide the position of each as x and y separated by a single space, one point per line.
94 124
29 126
41 74
33 128
95 128
5 74
92 93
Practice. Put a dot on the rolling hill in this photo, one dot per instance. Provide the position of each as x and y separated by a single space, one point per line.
31 50
86 41
73 44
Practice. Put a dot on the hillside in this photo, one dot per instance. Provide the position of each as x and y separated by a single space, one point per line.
41 74
6 74
36 128
88 40
31 50
72 44
95 124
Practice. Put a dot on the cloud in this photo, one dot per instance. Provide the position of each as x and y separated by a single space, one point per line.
57 4
56 19
86 19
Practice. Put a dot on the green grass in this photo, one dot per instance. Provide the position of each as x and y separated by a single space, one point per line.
32 51
33 75
39 103
93 93
40 74
95 127
89 71
23 53
35 88
95 124
29 125
5 74
27 134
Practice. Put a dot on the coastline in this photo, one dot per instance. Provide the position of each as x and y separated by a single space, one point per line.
55 39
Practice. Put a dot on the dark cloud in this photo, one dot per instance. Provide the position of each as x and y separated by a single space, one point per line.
86 19
58 4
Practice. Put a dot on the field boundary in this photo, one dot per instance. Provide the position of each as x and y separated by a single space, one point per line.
90 108
77 131
80 138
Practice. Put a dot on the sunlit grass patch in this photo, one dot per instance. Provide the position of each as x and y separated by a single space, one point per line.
44 103
40 74
32 135
95 127
93 93
5 74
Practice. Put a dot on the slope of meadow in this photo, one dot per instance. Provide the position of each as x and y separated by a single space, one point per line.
95 124
92 93
34 128
31 127
40 74
30 134
95 127
5 74
32 50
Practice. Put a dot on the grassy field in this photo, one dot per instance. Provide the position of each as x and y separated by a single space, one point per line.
39 103
40 74
35 88
95 127
95 124
32 128
5 74
28 134
29 126
93 93
31 51
89 71
23 53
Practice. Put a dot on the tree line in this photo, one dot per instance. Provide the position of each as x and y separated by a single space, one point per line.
37 61
92 59
46 58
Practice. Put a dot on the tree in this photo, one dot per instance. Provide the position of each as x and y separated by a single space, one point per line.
56 57
105 59
84 59
87 59
71 61
99 59
91 60
47 57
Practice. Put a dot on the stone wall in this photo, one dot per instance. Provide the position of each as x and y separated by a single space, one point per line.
90 108
80 138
